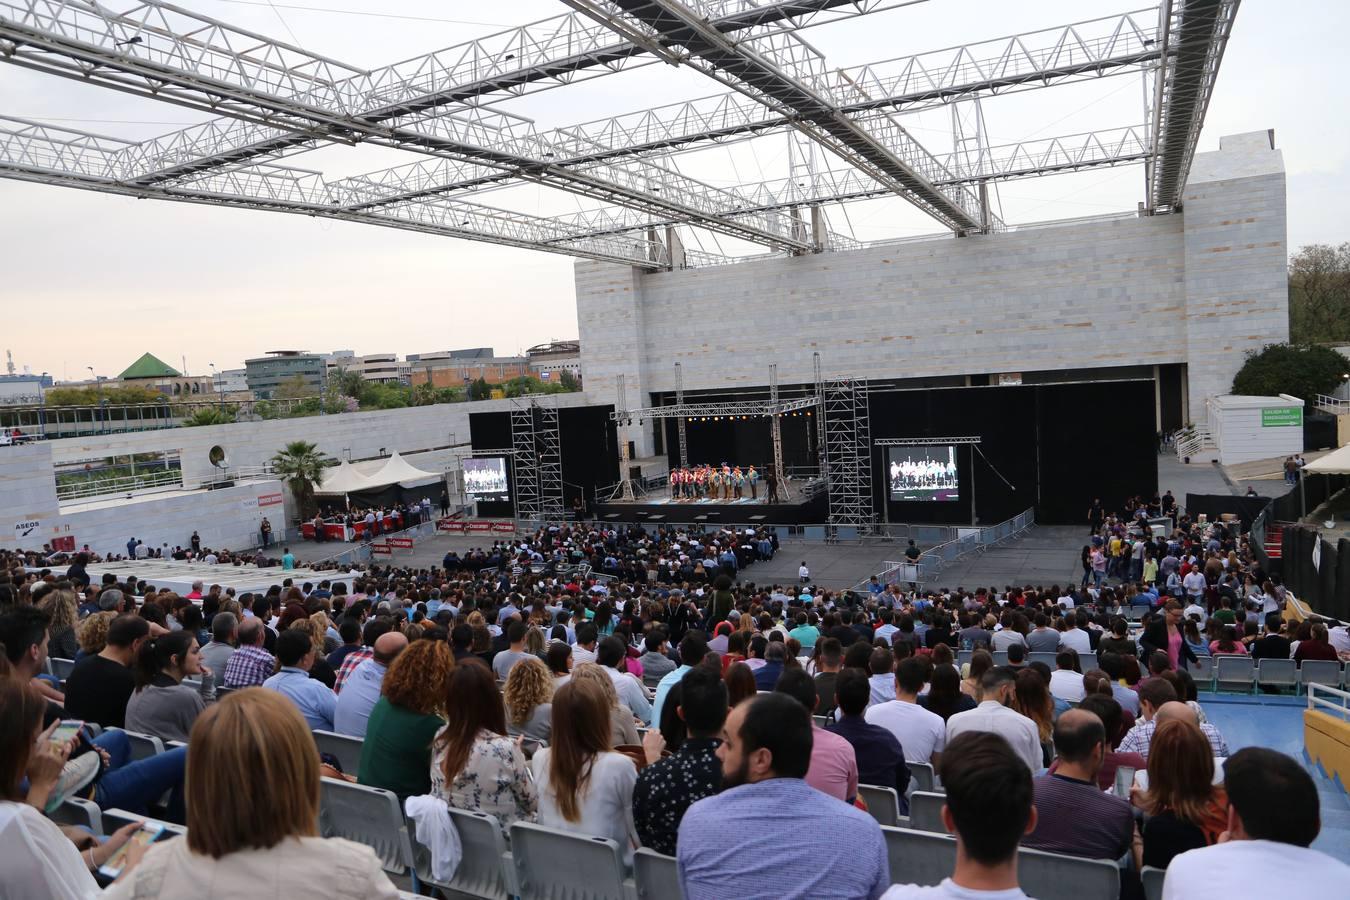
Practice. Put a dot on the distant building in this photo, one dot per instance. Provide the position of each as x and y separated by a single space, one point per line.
152 373
22 390
467 353
382 367
549 361
265 374
443 372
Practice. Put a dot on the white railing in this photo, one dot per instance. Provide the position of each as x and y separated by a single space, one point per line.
1190 441
968 540
1336 700
1334 405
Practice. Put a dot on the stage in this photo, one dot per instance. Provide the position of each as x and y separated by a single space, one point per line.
658 509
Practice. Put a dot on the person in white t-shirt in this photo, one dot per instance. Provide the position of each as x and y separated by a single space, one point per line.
1065 683
989 808
922 734
1076 637
803 572
1273 817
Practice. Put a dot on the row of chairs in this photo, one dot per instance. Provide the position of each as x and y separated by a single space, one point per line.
926 858
1242 673
542 863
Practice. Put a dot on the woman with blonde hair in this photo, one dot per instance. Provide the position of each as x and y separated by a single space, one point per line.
396 752
93 634
62 642
584 786
622 725
534 642
474 764
253 809
529 702
316 626
1185 809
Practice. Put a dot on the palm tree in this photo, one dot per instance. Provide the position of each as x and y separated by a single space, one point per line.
301 466
208 415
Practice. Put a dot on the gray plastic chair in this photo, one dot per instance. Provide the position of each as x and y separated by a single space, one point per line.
1319 671
367 815
922 777
883 803
143 746
1052 875
1233 672
919 857
1277 673
485 868
657 876
1048 659
561 865
75 811
1202 671
963 657
61 668
1000 657
925 811
347 749
1153 882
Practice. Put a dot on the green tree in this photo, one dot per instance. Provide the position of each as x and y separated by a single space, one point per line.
346 383
208 415
1300 371
294 388
479 390
1319 294
568 380
301 466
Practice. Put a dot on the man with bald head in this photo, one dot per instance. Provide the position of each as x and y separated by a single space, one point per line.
1158 703
362 689
1074 816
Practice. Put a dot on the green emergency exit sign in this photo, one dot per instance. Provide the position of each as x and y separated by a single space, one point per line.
1277 416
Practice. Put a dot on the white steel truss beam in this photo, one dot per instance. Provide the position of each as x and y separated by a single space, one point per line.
783 73
1195 34
164 52
47 155
1085 50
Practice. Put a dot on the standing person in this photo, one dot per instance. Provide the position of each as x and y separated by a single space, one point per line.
724 850
1096 516
287 559
803 573
1165 633
668 787
584 786
266 530
771 484
1273 818
196 542
989 808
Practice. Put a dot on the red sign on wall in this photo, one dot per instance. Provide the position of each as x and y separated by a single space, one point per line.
66 544
381 550
273 499
401 543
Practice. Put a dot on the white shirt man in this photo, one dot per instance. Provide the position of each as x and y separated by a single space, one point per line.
992 715
921 734
1076 639
1194 584
1067 685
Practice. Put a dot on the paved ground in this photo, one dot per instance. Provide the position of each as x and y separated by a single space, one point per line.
1042 556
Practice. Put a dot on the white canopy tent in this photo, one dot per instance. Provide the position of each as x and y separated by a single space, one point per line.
1337 462
397 470
344 479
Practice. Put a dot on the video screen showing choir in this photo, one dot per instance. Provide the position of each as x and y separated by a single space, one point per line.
923 473
485 478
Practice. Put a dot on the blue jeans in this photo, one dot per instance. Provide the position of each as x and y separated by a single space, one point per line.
133 786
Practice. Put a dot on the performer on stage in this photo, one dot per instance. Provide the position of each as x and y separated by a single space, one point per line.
752 476
771 481
738 482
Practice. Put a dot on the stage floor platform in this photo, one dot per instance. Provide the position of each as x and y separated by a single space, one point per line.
179 575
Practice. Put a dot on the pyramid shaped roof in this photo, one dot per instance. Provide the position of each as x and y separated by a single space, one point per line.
149 366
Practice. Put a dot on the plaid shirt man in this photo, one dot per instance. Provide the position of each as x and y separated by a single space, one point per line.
1141 736
249 666
349 664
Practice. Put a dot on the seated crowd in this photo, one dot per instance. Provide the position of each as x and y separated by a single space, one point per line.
665 706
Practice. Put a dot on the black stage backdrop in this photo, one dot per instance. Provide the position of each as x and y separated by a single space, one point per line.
590 452
1058 446
743 442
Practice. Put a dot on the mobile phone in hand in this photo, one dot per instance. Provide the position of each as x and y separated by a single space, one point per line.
66 731
145 835
1124 781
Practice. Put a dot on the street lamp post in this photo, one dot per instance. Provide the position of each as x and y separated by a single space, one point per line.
42 405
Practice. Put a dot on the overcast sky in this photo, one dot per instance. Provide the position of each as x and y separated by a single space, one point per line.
96 280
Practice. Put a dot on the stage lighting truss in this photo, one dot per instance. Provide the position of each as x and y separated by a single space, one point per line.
537 447
450 110
847 457
716 412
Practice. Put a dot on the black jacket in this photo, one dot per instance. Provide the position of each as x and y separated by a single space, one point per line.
1155 638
